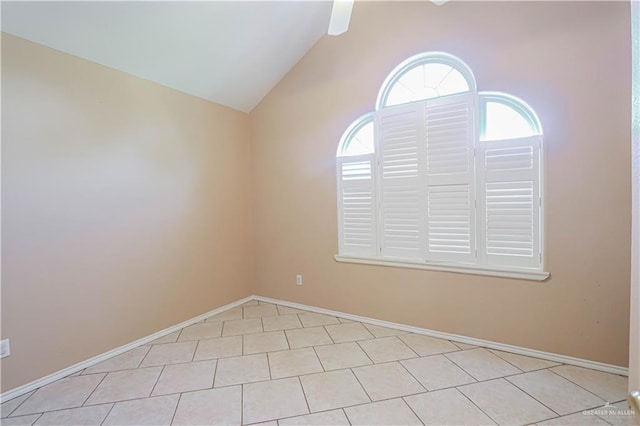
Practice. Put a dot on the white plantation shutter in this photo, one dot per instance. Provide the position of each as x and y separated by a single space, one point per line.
400 135
357 205
450 138
509 202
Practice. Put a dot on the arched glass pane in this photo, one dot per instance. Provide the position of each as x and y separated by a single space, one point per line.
360 143
504 122
426 81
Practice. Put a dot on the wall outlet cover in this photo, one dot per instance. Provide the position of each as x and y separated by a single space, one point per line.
5 350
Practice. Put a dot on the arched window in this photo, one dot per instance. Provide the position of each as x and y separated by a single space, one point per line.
426 76
506 117
358 139
442 177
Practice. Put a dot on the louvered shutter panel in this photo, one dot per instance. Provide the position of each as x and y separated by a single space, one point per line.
357 201
400 146
450 138
509 202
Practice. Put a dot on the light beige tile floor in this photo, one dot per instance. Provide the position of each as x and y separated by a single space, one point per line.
275 365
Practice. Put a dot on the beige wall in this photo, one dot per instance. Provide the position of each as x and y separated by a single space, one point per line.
125 209
571 62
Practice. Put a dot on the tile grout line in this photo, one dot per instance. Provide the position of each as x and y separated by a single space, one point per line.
346 417
411 374
287 338
36 420
224 323
58 409
94 389
408 347
215 372
505 378
108 412
29 395
195 351
365 353
319 360
561 415
329 334
156 383
459 347
180 334
402 398
497 353
266 354
476 405
328 410
460 367
580 386
304 394
141 359
361 385
507 361
175 410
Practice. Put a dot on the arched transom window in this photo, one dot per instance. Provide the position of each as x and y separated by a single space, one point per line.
442 176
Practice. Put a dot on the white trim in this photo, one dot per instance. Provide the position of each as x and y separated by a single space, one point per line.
16 392
20 390
459 268
594 365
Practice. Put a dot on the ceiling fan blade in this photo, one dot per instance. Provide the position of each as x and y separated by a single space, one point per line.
340 16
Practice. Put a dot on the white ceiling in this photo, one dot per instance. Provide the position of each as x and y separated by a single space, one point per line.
229 52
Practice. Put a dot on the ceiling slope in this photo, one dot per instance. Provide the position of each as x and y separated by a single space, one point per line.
229 52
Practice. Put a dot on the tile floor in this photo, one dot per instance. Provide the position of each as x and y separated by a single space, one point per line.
267 364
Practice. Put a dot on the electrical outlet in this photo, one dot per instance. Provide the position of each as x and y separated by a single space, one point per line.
299 279
5 350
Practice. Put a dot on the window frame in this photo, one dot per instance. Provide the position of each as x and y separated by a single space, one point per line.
351 131
419 60
482 98
510 101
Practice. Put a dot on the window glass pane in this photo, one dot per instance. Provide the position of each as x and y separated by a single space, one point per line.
504 122
434 73
454 82
399 95
361 142
426 81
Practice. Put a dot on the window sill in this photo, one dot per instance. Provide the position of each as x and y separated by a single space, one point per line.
520 273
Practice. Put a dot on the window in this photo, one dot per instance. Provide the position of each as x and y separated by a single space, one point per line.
442 176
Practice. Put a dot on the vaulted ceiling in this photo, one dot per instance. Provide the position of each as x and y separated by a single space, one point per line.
229 52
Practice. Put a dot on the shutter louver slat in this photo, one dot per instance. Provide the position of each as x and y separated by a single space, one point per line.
510 214
509 176
357 205
450 135
400 133
449 225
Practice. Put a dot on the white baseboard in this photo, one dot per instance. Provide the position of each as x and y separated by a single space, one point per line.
13 393
594 365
